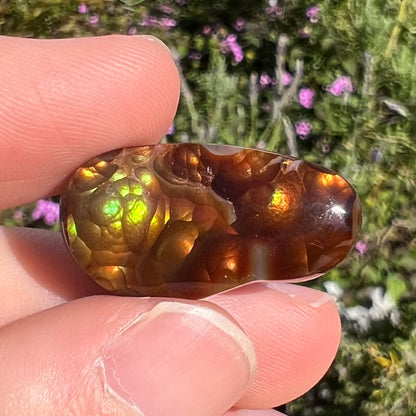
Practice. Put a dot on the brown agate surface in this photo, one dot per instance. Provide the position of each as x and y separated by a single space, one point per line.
190 220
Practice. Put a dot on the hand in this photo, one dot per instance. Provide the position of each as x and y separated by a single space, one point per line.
65 351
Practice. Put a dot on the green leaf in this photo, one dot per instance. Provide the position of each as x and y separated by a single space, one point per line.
396 287
371 274
408 262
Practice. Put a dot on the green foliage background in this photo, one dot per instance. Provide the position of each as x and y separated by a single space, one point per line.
368 136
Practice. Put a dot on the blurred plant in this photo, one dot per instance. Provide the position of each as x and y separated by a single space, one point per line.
40 214
370 378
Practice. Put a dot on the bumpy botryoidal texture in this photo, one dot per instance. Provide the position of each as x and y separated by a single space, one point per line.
190 220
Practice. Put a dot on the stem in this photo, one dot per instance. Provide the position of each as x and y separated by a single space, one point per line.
280 61
290 137
290 93
275 137
279 103
254 110
392 43
187 94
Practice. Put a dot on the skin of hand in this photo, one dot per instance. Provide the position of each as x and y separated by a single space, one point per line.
66 347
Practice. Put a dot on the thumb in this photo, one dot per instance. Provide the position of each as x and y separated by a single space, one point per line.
108 355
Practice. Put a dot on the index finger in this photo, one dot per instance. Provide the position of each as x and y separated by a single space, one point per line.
64 101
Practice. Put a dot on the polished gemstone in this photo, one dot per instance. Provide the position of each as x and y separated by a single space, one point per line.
190 220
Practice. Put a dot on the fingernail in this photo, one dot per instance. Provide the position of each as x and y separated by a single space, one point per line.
313 297
180 359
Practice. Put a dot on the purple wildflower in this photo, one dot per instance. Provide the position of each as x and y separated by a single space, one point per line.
286 78
229 44
195 56
313 14
274 10
239 24
132 30
206 30
167 23
166 9
306 97
264 80
171 129
149 21
361 247
83 8
48 210
303 129
94 20
340 86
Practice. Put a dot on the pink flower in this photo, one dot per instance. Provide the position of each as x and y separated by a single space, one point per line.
149 21
83 8
306 97
94 20
195 56
340 86
313 14
229 44
206 30
239 24
167 23
264 79
286 78
166 9
274 10
132 30
171 129
361 247
303 129
48 210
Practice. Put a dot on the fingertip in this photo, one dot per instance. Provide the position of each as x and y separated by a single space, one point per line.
64 101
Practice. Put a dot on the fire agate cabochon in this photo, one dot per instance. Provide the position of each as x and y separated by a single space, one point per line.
190 220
